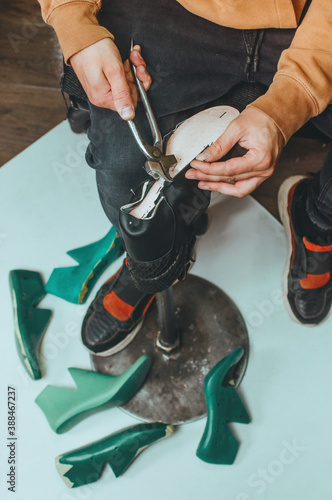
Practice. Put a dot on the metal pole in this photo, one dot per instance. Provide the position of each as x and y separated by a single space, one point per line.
168 337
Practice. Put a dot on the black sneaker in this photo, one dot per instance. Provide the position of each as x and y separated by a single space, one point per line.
307 277
115 316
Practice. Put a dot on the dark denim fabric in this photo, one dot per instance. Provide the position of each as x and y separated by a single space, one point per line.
192 62
319 202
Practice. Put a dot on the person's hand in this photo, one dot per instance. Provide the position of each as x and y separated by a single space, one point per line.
107 81
254 131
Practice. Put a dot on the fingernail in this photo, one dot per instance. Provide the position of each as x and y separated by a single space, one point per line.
127 112
139 55
203 156
204 187
190 177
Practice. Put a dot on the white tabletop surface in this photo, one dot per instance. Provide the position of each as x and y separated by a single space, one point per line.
49 204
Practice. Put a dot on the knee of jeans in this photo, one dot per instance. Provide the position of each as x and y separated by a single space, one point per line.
110 199
99 156
89 157
98 159
107 135
116 154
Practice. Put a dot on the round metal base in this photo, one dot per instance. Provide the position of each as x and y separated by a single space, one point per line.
210 327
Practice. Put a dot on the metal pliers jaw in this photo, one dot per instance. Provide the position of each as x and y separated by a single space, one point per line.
158 165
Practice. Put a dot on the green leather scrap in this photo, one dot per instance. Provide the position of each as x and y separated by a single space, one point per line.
64 407
75 283
218 445
30 322
85 465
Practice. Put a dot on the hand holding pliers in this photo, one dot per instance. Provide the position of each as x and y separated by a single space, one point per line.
158 164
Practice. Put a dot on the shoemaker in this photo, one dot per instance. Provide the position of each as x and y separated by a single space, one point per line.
197 52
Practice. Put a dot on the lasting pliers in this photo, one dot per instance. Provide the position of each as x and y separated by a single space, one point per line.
157 165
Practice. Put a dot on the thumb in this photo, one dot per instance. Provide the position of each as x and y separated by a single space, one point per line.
222 145
122 98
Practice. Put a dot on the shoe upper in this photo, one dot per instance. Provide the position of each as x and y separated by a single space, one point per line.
110 318
160 245
310 268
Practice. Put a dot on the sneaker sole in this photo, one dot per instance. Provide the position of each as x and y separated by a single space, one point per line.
121 345
285 219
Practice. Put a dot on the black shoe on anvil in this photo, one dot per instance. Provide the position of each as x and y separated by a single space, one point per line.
115 316
308 272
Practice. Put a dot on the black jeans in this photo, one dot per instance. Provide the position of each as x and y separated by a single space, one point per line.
192 62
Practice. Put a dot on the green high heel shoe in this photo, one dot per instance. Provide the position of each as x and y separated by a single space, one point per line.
64 407
218 445
85 465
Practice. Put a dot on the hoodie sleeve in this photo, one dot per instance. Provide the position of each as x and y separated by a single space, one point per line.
302 86
75 23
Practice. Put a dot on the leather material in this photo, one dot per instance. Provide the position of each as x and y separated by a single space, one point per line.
188 203
149 239
173 222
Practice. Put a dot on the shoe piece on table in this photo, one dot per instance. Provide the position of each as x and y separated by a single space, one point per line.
115 316
308 272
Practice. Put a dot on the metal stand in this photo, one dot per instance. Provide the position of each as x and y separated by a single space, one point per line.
168 337
202 327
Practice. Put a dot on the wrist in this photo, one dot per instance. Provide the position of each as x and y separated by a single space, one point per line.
269 122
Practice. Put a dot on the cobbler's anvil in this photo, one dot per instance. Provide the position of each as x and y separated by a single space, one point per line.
185 340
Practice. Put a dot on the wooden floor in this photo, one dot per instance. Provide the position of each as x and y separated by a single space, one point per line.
31 102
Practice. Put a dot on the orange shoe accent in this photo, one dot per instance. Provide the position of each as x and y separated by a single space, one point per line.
313 281
117 307
316 248
107 281
148 305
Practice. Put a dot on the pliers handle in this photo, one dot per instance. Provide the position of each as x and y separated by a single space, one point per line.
158 164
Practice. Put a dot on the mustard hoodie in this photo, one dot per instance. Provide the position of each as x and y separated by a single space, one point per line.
302 86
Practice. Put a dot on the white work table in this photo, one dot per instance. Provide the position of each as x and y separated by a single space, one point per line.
49 205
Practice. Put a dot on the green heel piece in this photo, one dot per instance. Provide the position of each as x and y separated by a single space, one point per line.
30 322
85 465
218 445
64 408
75 283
